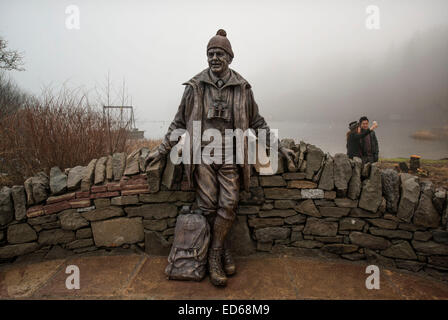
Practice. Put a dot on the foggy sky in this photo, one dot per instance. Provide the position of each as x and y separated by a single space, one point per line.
306 60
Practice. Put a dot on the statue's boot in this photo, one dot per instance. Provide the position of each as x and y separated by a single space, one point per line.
217 275
229 263
215 264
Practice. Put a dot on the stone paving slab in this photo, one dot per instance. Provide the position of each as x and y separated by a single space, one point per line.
317 280
103 276
139 276
19 281
256 279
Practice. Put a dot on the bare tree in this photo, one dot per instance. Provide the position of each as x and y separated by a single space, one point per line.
11 97
10 59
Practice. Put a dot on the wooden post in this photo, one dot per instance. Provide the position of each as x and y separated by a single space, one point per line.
414 163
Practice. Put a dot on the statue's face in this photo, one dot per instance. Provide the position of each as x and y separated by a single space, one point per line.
218 60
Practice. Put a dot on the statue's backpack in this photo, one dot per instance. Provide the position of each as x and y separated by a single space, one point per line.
188 255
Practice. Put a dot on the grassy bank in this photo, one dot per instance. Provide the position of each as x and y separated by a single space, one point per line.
437 169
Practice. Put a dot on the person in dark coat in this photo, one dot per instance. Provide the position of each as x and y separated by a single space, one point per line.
354 137
369 144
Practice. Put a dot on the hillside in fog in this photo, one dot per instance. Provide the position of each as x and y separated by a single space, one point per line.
408 83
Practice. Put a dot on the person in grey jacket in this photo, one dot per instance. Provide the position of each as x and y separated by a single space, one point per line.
369 143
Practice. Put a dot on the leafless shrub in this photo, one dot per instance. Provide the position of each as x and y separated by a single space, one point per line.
61 129
11 96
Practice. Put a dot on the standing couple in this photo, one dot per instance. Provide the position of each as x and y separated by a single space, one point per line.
362 141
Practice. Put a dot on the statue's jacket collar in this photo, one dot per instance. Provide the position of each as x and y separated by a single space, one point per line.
235 79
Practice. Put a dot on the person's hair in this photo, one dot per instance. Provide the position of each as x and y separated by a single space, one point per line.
353 130
363 118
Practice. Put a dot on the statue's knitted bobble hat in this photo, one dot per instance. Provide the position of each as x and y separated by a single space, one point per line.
221 41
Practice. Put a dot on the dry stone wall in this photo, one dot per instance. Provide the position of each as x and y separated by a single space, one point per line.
322 205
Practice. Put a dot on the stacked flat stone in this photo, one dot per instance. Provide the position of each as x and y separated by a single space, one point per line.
319 205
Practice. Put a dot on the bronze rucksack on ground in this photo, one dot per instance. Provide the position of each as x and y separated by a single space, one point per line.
188 256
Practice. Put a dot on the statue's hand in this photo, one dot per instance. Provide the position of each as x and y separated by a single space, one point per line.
288 154
290 158
153 157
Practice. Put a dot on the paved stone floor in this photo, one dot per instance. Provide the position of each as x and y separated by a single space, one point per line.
138 276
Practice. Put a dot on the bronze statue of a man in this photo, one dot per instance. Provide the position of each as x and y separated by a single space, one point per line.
221 99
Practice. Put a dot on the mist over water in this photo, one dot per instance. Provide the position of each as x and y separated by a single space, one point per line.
394 137
313 65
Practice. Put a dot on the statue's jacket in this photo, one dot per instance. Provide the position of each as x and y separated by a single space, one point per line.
245 116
